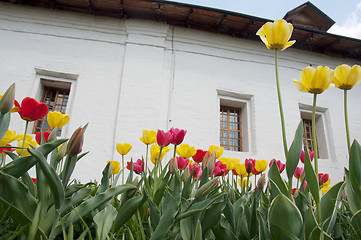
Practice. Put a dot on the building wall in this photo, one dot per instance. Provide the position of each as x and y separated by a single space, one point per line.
130 75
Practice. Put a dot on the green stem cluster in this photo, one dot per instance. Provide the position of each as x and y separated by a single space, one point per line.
346 122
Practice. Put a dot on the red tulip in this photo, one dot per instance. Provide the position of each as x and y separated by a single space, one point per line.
302 157
30 109
298 173
219 169
322 178
280 165
177 135
198 157
250 163
182 163
6 149
137 166
34 180
38 137
164 138
197 170
293 191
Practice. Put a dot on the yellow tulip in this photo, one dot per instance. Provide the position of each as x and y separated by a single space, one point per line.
57 119
154 153
123 148
314 80
9 137
149 137
325 184
261 165
242 180
26 145
241 170
115 166
346 77
276 35
325 189
217 149
20 137
186 151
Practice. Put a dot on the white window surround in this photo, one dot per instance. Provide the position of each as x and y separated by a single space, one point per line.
323 129
54 79
245 102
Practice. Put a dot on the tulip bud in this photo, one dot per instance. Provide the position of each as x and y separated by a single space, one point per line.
53 134
207 187
173 165
261 181
62 151
249 168
7 100
135 183
232 196
211 162
75 143
186 174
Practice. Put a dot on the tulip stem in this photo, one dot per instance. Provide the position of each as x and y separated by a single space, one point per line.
146 161
280 105
314 139
123 169
26 129
346 122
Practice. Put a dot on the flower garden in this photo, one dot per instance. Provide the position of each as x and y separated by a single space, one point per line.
196 194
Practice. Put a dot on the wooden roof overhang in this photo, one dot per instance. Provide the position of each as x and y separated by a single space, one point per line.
202 18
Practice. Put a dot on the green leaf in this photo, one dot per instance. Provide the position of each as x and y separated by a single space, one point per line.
15 195
75 199
356 222
104 184
21 165
4 123
223 233
312 178
355 161
69 166
289 226
198 231
104 221
154 213
294 153
212 215
329 205
275 176
52 178
353 192
90 205
127 210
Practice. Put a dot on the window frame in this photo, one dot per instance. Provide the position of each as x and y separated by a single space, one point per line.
237 130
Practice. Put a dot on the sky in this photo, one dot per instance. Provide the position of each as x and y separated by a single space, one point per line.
346 13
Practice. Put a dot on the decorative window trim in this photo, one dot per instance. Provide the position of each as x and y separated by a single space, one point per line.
323 129
245 103
49 78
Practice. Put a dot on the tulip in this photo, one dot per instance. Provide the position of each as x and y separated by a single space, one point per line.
34 180
182 163
209 161
260 165
241 170
115 167
198 157
298 172
7 100
177 135
123 148
38 136
249 163
261 181
325 190
57 119
9 137
322 178
172 165
154 153
276 35
26 144
197 170
206 188
149 137
186 151
164 138
186 174
219 169
137 166
293 191
75 143
217 149
346 77
6 149
280 165
302 157
314 80
30 109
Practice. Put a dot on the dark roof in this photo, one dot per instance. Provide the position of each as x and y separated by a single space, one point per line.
307 37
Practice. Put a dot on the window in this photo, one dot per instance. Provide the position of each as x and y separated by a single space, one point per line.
57 100
230 129
307 134
322 130
236 125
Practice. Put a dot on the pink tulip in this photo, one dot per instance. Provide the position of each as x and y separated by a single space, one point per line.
177 135
164 138
182 163
280 165
298 173
250 163
137 166
197 170
220 169
302 157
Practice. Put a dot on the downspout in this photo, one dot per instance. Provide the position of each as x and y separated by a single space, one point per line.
171 81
